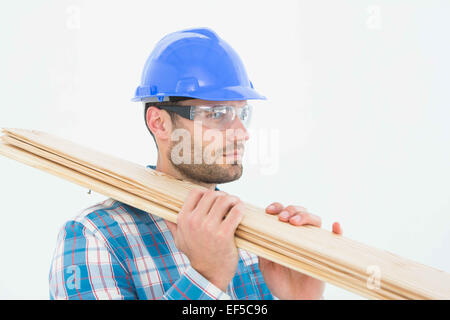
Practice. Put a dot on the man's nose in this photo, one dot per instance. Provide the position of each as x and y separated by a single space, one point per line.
239 130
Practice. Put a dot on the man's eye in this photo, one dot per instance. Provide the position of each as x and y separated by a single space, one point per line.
216 115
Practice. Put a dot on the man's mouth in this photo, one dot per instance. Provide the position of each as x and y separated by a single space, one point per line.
239 153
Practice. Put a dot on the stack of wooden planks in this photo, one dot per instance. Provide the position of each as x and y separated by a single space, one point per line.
372 273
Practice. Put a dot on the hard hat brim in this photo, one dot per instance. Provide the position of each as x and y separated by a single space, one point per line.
230 93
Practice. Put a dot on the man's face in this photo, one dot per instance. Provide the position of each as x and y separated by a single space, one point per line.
208 154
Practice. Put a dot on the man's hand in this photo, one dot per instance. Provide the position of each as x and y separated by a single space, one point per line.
205 234
286 283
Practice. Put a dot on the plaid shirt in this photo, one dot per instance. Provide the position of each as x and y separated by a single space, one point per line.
115 251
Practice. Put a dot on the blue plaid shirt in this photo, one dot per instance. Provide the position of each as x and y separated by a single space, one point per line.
115 251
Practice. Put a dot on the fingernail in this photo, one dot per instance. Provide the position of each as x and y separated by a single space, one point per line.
284 214
271 207
296 219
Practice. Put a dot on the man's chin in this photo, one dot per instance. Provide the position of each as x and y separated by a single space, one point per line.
211 173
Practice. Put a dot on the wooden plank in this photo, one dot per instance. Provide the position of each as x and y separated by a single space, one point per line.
317 251
148 206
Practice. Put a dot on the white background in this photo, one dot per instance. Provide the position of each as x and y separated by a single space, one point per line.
358 93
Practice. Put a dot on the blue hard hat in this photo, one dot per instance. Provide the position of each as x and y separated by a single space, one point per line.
194 63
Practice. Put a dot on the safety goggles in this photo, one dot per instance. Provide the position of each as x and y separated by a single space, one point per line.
215 117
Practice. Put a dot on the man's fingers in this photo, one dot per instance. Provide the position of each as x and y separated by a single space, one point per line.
205 204
303 218
337 228
290 211
274 208
221 207
192 199
233 218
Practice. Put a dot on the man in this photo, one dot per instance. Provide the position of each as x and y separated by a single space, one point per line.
195 91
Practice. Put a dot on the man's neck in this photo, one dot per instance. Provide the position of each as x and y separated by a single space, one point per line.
167 168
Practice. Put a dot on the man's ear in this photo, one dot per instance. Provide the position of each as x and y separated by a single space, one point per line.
158 122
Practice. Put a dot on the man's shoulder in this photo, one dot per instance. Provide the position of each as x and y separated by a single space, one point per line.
107 207
112 216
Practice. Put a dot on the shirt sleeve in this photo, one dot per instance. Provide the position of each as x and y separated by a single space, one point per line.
261 290
84 267
193 286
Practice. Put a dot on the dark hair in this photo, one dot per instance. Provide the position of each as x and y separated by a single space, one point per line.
173 115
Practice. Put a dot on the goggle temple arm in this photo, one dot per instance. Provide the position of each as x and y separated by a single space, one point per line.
183 111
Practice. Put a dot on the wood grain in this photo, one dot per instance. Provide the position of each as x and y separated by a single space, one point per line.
314 251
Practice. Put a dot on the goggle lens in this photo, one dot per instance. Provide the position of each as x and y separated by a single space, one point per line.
221 117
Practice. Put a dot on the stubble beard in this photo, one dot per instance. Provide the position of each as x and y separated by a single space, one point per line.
214 173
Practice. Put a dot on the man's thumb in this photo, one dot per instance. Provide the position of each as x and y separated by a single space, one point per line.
172 227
